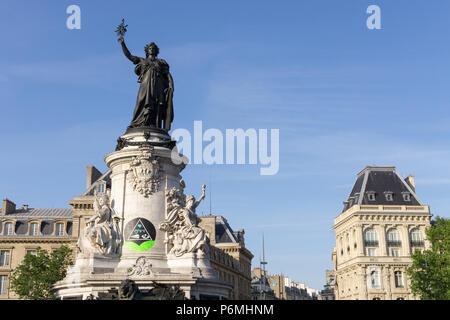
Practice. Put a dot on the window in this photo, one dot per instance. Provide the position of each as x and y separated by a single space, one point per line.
416 238
371 196
371 252
350 201
32 252
389 196
34 229
101 187
3 284
375 279
406 196
8 229
370 238
398 279
4 258
60 229
393 238
395 252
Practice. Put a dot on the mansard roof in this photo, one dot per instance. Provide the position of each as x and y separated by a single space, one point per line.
373 185
105 177
44 213
224 233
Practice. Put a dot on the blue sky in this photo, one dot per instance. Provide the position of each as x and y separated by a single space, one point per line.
342 96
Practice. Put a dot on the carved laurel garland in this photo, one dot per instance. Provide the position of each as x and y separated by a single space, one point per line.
145 175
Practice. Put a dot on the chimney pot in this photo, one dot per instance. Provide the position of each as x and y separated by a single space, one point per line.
410 181
92 175
8 206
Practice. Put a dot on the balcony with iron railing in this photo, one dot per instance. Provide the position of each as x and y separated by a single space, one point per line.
417 243
394 243
371 243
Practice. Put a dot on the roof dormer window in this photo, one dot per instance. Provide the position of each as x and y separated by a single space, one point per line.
356 198
371 195
101 187
406 196
351 201
389 195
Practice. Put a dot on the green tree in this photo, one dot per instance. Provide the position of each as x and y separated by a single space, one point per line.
34 277
430 271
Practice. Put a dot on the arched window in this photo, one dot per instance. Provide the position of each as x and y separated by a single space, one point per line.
398 279
60 229
9 230
416 238
375 279
393 238
370 238
34 229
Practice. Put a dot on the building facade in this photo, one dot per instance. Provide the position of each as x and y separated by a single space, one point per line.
382 223
286 289
328 289
228 255
24 229
261 289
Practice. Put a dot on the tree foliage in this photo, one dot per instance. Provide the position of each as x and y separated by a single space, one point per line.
430 271
33 278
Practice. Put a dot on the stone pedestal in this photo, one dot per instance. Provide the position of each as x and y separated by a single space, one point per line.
142 171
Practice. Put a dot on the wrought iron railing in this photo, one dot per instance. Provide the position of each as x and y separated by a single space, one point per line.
394 243
371 243
417 243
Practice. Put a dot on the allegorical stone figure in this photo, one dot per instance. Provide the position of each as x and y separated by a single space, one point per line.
154 107
181 223
101 234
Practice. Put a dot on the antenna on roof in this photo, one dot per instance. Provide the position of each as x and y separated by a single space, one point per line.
263 262
262 267
210 187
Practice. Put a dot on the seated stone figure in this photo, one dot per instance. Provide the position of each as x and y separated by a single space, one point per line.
181 224
101 234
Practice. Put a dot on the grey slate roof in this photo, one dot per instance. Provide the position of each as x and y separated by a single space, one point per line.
379 180
224 233
105 177
40 213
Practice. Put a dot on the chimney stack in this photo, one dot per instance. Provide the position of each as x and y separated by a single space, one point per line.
92 175
8 207
410 181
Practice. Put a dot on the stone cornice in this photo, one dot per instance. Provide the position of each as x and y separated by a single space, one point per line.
383 213
226 246
82 204
381 261
36 240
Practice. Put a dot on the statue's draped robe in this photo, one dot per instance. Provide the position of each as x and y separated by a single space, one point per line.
103 236
188 236
154 100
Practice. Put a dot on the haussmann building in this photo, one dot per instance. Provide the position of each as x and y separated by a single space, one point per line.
382 223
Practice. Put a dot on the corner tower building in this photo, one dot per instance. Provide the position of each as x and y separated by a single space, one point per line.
382 223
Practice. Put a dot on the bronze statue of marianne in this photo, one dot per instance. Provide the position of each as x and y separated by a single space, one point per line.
154 107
